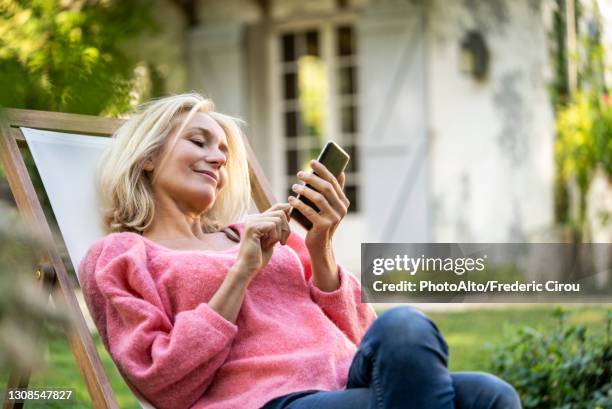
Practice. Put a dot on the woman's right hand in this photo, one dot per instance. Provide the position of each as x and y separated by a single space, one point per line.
261 232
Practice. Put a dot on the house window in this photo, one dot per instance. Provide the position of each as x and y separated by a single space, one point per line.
319 99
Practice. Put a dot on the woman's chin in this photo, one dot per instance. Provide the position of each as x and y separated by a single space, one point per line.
202 197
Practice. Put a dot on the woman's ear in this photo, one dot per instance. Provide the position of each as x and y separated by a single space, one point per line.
148 164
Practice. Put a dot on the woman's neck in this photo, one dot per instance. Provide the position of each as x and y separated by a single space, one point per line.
172 223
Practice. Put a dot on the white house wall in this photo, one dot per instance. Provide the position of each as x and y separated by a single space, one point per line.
491 141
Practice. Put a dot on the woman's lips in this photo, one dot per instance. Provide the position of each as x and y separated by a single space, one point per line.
207 174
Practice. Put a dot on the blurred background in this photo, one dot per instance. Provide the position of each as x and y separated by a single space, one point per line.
466 120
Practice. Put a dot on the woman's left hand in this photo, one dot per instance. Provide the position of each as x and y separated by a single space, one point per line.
333 205
328 195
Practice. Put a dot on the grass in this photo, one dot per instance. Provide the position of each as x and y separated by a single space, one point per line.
62 372
467 334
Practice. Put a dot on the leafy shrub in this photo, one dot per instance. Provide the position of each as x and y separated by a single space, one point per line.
565 368
25 315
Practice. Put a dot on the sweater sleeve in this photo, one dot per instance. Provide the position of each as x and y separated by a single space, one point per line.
342 306
170 360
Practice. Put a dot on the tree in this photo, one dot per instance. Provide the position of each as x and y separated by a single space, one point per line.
65 56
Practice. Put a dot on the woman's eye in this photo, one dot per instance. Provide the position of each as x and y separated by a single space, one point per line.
199 143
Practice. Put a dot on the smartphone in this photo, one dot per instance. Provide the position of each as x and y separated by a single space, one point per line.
335 159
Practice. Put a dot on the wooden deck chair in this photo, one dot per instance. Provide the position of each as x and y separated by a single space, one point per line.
65 148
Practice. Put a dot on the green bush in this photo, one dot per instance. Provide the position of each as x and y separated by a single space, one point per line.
563 369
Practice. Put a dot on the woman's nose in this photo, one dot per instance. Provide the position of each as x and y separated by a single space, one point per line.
218 158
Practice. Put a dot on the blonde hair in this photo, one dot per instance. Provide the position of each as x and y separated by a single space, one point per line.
124 188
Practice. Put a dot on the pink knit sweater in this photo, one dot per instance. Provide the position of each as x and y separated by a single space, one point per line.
149 304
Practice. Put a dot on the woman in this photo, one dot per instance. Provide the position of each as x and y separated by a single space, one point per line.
200 311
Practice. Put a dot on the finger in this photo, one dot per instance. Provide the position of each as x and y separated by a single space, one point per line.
343 197
322 171
262 225
285 228
278 206
278 218
283 223
282 219
287 211
283 214
263 228
323 187
341 180
274 218
317 198
306 210
269 234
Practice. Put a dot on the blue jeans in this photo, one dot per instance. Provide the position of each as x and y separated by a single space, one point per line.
402 362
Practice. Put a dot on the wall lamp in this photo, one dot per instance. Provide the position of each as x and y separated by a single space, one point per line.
474 55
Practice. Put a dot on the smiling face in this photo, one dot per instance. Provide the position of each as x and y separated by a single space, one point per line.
193 170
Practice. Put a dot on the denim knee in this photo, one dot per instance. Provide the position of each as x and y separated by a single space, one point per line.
507 397
500 393
406 330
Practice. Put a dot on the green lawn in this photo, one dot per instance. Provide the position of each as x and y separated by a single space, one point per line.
467 334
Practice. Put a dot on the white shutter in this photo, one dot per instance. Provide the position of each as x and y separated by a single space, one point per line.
393 123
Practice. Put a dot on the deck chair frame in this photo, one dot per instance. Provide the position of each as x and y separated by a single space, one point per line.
51 274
